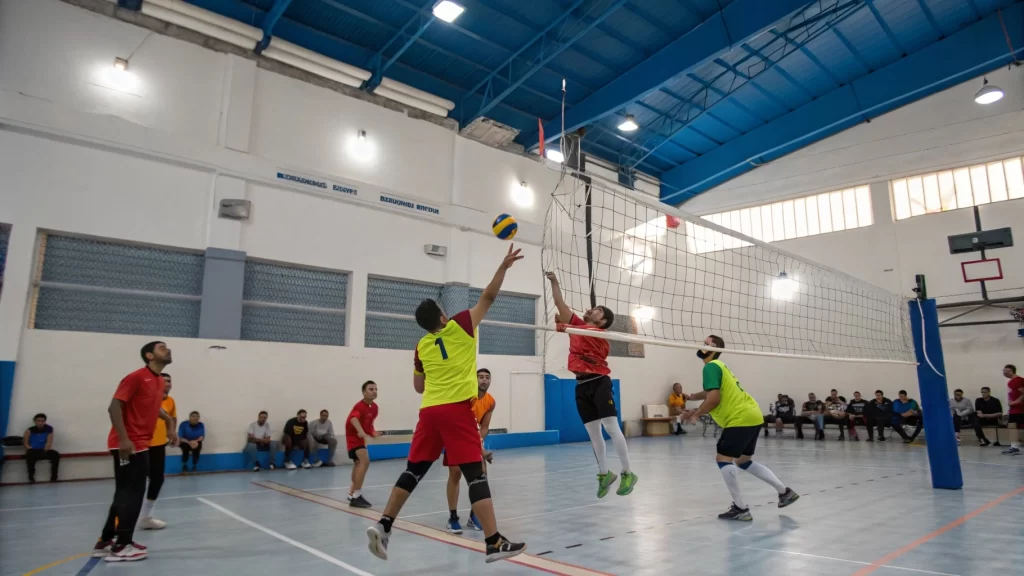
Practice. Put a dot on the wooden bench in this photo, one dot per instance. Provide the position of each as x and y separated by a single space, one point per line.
658 426
63 455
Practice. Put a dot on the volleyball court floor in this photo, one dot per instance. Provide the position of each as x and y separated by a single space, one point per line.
865 509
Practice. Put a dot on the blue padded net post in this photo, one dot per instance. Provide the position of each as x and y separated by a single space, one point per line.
943 456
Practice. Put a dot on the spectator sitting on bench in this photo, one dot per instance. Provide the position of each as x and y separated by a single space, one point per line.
260 440
906 411
39 446
296 435
962 411
988 410
191 434
857 411
812 411
835 413
782 413
321 431
676 407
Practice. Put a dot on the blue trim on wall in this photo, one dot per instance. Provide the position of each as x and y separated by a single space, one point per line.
560 414
6 393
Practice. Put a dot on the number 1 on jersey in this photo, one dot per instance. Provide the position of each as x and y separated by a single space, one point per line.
444 353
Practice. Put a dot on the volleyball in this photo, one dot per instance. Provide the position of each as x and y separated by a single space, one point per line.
505 227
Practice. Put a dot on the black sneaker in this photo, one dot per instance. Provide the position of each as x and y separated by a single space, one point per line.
504 549
881 439
788 498
841 438
985 442
996 443
736 513
359 502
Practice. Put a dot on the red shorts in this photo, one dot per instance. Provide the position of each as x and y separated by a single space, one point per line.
448 427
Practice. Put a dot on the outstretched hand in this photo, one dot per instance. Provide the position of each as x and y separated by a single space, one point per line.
551 277
511 257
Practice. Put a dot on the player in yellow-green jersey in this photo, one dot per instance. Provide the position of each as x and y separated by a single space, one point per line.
739 416
445 374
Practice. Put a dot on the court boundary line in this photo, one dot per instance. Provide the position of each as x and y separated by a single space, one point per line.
56 563
795 553
304 547
527 560
884 560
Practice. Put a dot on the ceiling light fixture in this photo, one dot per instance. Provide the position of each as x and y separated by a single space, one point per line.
629 124
447 10
555 155
988 93
121 64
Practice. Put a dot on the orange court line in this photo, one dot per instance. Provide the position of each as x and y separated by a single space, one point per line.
897 553
57 563
528 560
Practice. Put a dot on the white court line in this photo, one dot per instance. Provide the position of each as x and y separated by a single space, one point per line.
843 560
107 503
286 539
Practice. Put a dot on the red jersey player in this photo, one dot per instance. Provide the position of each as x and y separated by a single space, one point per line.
1015 397
359 427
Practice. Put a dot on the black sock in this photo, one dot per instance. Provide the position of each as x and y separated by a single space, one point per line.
454 515
492 540
386 522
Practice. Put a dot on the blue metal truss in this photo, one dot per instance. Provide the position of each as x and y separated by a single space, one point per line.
546 49
736 23
377 66
269 21
974 50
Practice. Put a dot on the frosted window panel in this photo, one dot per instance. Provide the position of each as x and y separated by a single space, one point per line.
745 222
766 224
734 224
864 215
850 208
838 222
755 224
900 199
800 210
1014 178
932 204
812 215
778 224
947 190
964 192
824 213
789 219
916 190
996 182
979 184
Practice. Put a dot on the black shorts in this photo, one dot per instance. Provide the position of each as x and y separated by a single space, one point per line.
353 453
786 418
1017 419
738 441
594 399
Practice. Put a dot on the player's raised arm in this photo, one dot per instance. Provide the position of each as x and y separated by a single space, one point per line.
477 313
564 314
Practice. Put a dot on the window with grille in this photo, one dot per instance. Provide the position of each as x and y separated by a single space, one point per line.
294 304
797 218
506 341
386 296
87 285
958 188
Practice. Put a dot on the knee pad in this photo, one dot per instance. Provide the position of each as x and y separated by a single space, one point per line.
477 481
414 471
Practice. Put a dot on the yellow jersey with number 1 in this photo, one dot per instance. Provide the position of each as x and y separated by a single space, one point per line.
448 360
735 408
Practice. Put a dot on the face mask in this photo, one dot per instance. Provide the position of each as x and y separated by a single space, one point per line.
702 354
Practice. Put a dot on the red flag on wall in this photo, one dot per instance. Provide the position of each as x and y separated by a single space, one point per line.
540 130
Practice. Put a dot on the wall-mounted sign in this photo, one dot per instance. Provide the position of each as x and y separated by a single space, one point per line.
320 183
397 202
350 191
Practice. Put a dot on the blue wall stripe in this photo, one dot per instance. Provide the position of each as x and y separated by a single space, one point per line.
6 392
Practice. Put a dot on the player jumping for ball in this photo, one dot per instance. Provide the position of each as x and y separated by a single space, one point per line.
588 359
445 375
739 416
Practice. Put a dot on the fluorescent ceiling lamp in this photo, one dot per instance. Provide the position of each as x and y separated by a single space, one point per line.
555 155
988 94
643 313
629 124
522 195
784 287
447 10
120 64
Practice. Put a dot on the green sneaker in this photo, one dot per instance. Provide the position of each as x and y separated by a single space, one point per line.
604 482
626 483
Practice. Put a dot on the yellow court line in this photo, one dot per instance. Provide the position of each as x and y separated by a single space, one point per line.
57 563
536 562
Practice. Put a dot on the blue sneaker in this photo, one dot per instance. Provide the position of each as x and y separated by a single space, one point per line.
474 523
453 526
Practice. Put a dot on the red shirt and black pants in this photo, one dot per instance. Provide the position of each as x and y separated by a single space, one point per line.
1014 391
588 359
141 393
365 414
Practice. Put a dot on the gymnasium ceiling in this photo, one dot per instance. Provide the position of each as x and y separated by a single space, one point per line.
717 87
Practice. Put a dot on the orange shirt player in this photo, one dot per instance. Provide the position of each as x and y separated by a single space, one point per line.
588 359
445 362
134 411
676 407
483 406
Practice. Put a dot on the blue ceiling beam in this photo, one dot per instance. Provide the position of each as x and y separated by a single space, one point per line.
549 49
377 66
853 50
269 21
974 50
736 23
931 18
810 55
885 28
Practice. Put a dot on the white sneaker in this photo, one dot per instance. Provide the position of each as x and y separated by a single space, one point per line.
305 464
256 468
152 524
290 465
127 553
318 463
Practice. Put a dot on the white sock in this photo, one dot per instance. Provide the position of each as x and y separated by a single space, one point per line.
1014 444
732 481
597 441
679 420
355 494
762 472
611 425
147 508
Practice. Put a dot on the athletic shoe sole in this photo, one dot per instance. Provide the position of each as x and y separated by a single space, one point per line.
132 558
376 543
788 501
504 555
